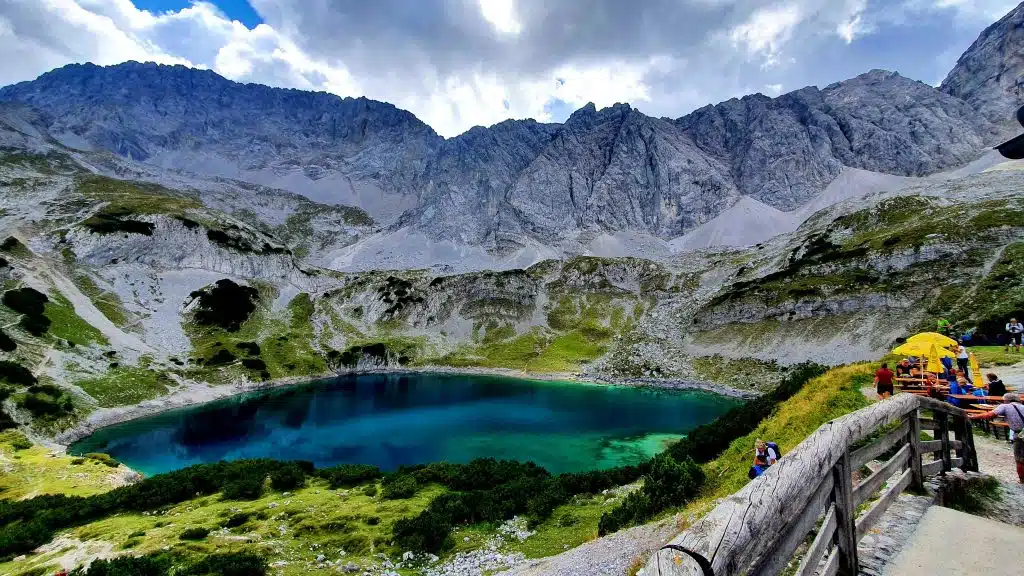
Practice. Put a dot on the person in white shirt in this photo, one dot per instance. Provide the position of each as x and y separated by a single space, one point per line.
963 361
1015 330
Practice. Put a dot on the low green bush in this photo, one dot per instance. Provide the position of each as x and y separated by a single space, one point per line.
21 443
254 364
226 305
15 373
166 564
349 475
196 533
6 422
28 301
104 459
7 344
237 520
287 478
399 487
668 484
126 566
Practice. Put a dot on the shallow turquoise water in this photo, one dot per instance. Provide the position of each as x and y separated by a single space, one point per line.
391 420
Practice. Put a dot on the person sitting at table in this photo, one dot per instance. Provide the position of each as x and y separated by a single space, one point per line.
903 369
931 384
995 385
956 387
1013 411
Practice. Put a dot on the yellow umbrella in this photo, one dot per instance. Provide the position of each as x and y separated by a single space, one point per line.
918 349
976 376
934 365
929 338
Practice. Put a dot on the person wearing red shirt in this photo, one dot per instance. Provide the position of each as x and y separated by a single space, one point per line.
883 381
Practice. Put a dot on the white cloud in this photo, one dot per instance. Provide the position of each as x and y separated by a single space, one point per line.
982 9
501 14
854 24
766 31
773 89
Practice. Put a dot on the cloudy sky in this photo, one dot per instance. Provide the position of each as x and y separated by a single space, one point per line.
461 63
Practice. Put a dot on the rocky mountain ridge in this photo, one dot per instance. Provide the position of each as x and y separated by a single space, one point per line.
524 185
990 74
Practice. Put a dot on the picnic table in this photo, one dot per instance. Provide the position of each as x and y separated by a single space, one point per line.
996 399
980 408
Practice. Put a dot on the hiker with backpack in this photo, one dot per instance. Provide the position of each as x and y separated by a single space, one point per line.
765 455
1013 411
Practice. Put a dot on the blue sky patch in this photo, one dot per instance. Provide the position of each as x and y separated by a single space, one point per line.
239 10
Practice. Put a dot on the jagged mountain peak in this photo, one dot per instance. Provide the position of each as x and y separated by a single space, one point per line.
522 182
990 74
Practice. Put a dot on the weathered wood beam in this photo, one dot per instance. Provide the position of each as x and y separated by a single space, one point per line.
943 419
796 532
817 549
868 453
931 468
832 566
733 535
914 440
869 518
865 489
936 445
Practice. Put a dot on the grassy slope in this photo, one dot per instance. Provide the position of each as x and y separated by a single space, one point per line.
835 393
285 338
33 471
318 516
295 528
126 385
579 330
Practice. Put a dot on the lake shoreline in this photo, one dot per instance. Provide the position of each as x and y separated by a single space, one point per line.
195 393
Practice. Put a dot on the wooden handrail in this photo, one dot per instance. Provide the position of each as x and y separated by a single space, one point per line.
758 529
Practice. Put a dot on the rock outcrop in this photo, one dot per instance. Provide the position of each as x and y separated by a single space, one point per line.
990 74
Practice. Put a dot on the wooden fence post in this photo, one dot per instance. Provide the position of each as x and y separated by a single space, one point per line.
914 439
942 419
970 455
846 525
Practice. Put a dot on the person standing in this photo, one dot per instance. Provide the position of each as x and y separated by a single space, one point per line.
963 361
1013 411
883 381
942 326
1015 331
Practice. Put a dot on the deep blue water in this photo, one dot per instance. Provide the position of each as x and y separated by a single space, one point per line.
391 420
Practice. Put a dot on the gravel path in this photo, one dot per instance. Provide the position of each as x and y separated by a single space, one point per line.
883 542
612 555
995 458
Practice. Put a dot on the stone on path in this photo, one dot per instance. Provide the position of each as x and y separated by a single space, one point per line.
952 543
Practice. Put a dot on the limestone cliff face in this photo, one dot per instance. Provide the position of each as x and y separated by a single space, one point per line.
784 150
521 183
990 74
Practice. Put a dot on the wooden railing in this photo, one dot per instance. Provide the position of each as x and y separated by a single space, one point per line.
812 488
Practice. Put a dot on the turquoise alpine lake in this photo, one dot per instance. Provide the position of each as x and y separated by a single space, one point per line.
390 420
